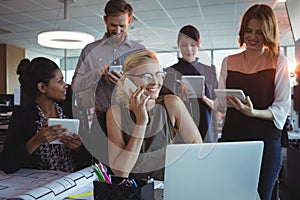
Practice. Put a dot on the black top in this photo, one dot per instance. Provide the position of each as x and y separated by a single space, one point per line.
22 127
196 68
159 133
201 113
260 88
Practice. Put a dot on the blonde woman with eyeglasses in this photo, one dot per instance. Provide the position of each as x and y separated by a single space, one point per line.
141 124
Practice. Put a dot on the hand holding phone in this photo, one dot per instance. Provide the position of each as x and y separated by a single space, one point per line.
114 73
128 84
140 111
117 68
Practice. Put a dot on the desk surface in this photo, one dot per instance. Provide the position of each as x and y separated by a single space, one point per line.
294 135
31 184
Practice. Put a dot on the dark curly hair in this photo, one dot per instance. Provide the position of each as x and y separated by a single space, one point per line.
31 73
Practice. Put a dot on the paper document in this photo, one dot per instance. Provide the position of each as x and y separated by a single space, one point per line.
29 184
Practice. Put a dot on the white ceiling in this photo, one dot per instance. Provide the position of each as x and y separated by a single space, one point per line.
155 25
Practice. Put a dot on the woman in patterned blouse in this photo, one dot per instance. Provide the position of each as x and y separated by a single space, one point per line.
28 144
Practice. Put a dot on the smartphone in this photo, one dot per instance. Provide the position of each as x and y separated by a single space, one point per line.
117 68
128 84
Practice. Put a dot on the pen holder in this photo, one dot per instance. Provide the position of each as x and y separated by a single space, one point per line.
120 190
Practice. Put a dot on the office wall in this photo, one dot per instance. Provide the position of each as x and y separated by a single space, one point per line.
2 69
10 57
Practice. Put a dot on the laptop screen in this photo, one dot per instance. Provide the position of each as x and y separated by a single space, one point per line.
213 171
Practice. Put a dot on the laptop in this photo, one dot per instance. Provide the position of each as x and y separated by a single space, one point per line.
213 171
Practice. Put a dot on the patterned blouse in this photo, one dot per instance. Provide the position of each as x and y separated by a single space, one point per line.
53 156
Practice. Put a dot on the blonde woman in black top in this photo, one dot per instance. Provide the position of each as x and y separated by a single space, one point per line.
141 125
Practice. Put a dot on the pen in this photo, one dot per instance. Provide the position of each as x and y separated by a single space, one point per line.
104 173
99 174
134 183
75 196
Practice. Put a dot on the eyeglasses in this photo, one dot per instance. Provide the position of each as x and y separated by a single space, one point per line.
149 76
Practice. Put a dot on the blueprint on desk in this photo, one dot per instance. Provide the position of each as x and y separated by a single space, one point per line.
30 184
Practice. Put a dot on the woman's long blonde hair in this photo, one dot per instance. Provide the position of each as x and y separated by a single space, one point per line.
134 60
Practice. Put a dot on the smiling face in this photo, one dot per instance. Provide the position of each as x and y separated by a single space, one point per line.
117 27
56 88
253 36
188 48
142 74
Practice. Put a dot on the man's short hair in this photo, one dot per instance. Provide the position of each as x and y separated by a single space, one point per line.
118 7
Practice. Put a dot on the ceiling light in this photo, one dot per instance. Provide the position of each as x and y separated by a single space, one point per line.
281 1
64 39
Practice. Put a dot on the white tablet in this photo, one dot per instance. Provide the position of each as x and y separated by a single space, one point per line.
71 124
222 93
194 85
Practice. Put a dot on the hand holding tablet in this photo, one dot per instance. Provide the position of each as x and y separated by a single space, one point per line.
72 125
221 94
194 85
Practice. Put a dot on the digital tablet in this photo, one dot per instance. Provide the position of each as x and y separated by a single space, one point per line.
71 124
222 93
194 85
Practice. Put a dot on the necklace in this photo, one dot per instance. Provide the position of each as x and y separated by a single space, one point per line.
44 115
